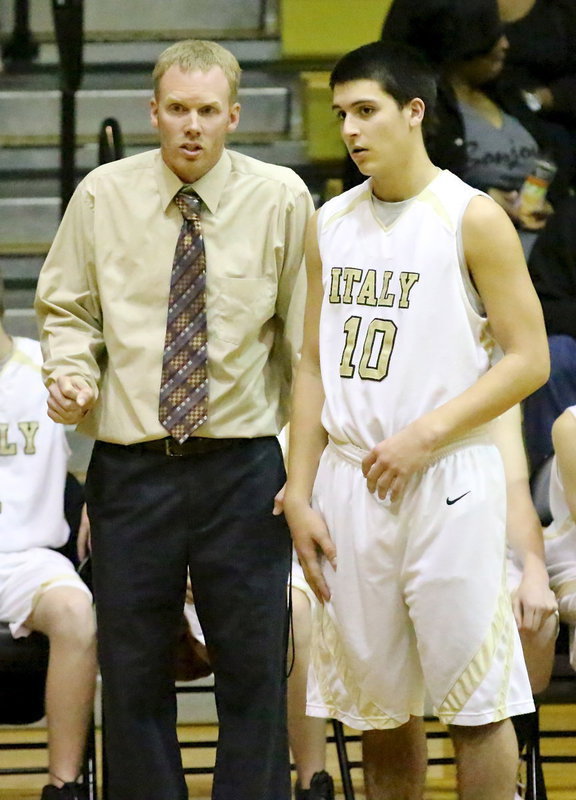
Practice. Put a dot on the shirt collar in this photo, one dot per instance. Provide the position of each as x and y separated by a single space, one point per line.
209 187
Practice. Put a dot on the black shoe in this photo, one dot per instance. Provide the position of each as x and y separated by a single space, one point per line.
321 788
68 791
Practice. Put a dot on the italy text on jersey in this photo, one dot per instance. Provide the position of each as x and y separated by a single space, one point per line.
365 287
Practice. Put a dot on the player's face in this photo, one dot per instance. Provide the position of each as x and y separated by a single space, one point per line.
193 114
374 128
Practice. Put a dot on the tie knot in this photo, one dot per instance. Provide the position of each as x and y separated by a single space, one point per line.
189 204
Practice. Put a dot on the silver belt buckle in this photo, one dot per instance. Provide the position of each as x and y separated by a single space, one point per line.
169 445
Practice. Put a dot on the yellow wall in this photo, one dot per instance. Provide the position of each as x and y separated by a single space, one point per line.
320 124
329 27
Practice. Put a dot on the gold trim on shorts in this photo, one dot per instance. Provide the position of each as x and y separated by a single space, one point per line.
71 579
476 671
335 658
565 589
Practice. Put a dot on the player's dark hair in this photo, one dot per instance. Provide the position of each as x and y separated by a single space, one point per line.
1 297
401 71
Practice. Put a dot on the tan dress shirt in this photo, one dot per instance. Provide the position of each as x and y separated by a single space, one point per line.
103 291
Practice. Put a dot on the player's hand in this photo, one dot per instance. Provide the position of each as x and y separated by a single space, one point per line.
390 464
313 543
533 601
69 399
83 543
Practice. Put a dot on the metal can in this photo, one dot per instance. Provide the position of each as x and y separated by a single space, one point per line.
534 189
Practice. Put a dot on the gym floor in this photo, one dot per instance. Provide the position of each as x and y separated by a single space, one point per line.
560 778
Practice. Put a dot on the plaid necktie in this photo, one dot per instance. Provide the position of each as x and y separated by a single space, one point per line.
184 387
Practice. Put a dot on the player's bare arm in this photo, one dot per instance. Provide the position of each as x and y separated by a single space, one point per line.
83 541
533 601
496 262
69 399
308 437
564 440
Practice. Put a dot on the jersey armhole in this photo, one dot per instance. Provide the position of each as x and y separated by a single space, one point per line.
470 289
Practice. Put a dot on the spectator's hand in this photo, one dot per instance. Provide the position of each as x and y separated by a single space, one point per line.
537 219
83 543
508 201
313 543
533 601
69 399
545 97
279 502
390 464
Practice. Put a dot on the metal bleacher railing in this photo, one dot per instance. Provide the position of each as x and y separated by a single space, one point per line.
110 144
21 49
69 28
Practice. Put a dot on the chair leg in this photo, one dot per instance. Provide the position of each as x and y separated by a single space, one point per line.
535 784
89 766
104 759
343 759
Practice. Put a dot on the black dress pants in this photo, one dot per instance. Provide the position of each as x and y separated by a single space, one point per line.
153 516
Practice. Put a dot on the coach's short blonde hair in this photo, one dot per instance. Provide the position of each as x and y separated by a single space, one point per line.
198 54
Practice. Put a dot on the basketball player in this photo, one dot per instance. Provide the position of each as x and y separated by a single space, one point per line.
39 588
533 601
560 536
396 493
307 735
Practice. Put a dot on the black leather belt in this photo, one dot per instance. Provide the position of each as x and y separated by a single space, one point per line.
195 445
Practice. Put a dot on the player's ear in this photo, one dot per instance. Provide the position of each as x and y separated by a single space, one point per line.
416 109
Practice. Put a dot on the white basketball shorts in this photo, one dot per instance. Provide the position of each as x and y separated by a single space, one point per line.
298 581
419 597
25 576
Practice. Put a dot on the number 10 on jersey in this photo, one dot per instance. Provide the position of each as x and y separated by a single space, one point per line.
374 353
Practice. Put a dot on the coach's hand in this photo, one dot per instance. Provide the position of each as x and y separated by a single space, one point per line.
69 399
390 464
312 542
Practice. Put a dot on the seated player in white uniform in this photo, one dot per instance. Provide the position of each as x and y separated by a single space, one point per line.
39 588
307 735
396 491
560 535
533 601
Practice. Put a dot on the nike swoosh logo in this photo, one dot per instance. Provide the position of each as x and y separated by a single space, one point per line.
455 500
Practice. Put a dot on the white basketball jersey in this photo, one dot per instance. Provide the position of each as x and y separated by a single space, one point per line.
399 335
33 457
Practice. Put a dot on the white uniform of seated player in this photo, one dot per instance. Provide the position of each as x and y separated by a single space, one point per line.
39 588
560 536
